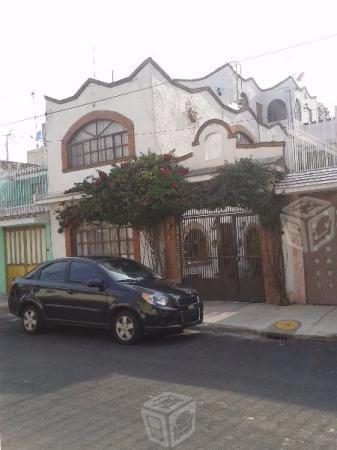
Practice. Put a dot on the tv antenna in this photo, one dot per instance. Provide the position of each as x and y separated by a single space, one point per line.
8 135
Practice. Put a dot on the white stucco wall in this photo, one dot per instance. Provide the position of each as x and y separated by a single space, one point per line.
58 239
137 106
230 85
160 117
159 112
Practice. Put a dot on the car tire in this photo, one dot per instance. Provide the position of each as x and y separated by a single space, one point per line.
31 320
126 327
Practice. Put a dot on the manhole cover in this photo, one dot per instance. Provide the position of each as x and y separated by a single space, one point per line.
287 325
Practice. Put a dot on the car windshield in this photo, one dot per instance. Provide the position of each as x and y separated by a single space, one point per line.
126 270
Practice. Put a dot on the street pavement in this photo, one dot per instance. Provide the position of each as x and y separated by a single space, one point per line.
297 321
73 388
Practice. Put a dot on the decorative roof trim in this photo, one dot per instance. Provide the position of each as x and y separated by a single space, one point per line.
289 78
170 81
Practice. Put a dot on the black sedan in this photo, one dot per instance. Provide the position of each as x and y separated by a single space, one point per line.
115 293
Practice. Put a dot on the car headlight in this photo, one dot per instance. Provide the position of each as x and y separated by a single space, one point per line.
155 299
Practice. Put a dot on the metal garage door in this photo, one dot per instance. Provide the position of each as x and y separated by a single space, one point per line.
220 254
25 249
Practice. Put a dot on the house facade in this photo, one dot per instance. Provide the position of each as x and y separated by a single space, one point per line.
106 123
207 121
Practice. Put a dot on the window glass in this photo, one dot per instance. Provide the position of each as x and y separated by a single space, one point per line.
82 272
101 240
242 138
54 272
98 141
277 110
124 269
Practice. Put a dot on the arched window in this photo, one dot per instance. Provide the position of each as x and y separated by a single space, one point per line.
297 110
195 245
242 138
98 142
98 138
277 110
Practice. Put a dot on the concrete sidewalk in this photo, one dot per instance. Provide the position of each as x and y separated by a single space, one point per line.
294 321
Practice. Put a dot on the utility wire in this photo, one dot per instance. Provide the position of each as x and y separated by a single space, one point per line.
151 133
81 105
290 47
25 119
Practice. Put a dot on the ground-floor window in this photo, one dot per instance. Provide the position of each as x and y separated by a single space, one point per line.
103 239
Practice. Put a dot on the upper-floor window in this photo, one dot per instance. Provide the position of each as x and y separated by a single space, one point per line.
277 110
100 141
242 138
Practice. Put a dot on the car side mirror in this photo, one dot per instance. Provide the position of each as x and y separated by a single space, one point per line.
95 282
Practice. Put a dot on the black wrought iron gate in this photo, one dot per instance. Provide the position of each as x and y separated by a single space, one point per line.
220 255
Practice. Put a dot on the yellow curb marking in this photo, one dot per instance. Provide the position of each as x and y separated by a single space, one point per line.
287 324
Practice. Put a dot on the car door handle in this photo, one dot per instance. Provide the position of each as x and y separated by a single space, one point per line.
70 291
50 291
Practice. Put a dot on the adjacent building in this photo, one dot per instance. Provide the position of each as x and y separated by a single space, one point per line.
25 239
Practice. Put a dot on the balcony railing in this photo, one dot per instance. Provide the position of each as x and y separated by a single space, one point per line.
311 147
19 187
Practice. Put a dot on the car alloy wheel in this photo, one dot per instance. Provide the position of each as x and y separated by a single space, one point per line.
126 327
31 320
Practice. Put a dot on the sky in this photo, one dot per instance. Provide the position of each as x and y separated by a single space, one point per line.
47 48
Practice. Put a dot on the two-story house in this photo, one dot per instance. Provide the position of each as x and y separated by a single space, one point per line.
104 123
217 118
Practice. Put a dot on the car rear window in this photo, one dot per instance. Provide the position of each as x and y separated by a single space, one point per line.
54 272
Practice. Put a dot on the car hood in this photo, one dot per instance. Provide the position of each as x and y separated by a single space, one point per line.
168 287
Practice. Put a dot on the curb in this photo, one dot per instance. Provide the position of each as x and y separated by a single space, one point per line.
228 328
266 334
4 309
